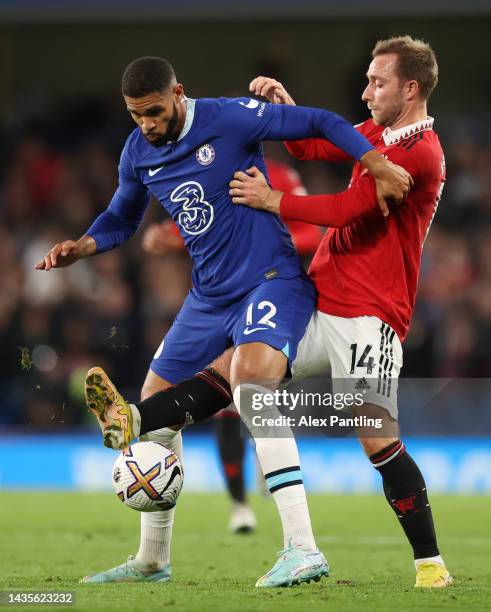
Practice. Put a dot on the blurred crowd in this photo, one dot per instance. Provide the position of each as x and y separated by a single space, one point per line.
59 171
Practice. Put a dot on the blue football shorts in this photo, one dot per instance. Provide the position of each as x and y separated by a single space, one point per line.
276 312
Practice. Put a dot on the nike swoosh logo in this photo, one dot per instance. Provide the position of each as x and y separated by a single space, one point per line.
250 331
152 172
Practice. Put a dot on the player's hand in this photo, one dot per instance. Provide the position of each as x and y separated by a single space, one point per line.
67 253
61 255
271 89
161 238
250 188
391 181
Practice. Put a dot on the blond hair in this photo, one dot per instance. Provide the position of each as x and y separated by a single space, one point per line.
416 61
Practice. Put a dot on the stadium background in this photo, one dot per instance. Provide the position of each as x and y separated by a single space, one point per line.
62 128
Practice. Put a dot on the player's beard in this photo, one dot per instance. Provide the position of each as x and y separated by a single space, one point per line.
171 133
390 115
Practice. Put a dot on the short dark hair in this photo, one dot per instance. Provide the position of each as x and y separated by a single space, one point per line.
417 61
147 75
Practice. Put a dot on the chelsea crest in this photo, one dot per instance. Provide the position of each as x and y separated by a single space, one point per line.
205 155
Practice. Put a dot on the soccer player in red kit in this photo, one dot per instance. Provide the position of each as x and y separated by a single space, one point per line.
366 267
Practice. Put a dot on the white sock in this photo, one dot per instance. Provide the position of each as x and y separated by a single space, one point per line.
437 559
279 453
155 539
156 527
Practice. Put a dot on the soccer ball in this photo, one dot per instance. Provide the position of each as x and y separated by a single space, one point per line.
148 477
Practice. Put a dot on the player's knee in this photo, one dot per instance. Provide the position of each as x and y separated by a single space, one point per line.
222 364
153 383
245 370
378 428
375 445
257 361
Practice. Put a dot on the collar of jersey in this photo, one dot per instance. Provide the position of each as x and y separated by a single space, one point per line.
188 122
391 137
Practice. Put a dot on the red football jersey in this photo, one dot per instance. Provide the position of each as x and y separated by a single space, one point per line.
367 264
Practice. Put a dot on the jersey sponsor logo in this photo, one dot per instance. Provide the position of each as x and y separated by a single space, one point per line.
154 171
197 214
248 331
205 155
251 104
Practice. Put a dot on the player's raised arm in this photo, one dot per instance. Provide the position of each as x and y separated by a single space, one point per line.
249 121
309 148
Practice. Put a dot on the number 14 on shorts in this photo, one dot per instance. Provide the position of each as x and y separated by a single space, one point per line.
365 361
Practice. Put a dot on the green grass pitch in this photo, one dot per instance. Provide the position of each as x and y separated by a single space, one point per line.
49 540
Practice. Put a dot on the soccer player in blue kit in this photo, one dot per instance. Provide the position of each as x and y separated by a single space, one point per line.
249 289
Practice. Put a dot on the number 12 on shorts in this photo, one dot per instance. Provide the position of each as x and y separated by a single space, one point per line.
267 317
363 361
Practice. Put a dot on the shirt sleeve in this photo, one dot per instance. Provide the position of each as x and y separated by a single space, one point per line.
125 212
316 148
336 210
340 209
320 149
248 121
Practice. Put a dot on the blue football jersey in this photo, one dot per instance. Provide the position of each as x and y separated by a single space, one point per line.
233 247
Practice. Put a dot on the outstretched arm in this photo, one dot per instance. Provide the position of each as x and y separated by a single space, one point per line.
249 123
110 229
336 210
67 253
307 149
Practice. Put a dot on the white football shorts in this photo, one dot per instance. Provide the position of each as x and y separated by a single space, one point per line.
365 355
